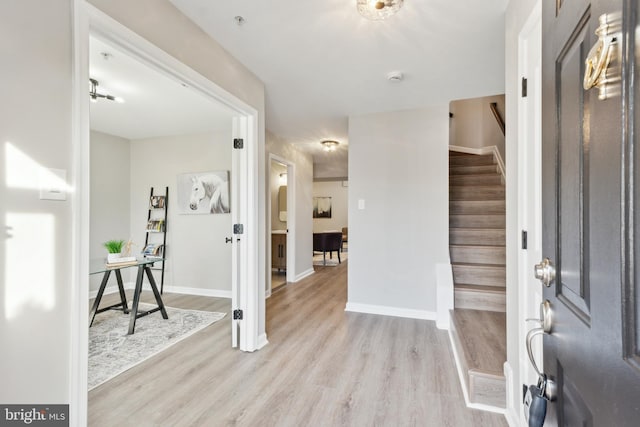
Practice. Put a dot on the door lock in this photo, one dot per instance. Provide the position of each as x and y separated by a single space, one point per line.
545 272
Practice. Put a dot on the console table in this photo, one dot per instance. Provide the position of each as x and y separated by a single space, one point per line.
144 265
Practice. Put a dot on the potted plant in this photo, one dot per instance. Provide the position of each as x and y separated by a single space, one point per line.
114 247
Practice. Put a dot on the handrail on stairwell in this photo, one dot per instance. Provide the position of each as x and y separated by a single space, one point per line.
496 114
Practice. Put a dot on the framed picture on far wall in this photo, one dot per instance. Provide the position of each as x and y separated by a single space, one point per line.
322 207
203 193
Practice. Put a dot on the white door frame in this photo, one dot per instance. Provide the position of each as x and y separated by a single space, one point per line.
88 20
291 221
529 192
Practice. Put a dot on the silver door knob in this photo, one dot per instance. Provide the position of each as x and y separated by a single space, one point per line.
545 272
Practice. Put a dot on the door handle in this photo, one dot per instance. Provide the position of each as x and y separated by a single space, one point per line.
228 239
545 317
545 272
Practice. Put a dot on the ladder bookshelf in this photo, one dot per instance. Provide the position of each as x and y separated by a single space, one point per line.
155 242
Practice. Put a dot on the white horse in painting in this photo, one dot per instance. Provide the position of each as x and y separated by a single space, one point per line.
212 187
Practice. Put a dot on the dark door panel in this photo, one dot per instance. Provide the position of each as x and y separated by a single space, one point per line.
589 221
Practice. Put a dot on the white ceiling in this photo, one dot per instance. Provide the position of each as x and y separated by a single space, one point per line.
322 62
154 106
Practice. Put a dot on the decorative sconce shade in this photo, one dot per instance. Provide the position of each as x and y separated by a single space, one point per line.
330 145
376 10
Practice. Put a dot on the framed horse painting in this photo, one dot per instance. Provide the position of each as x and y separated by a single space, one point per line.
203 193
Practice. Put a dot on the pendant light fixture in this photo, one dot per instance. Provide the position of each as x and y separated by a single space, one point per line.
376 10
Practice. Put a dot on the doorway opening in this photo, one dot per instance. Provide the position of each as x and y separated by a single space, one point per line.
241 134
281 223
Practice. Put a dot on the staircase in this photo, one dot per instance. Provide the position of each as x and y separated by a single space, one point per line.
477 250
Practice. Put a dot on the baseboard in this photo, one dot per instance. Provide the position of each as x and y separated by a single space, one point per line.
390 311
217 293
304 274
262 341
511 413
491 149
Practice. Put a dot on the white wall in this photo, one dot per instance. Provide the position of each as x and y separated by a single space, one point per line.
398 166
35 254
303 200
110 185
339 205
35 118
274 188
517 13
197 255
473 124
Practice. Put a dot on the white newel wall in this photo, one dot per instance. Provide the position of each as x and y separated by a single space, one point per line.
198 259
398 167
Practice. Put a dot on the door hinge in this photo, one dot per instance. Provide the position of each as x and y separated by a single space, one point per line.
238 143
524 239
524 87
237 314
238 228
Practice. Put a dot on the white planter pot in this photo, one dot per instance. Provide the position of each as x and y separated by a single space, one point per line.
113 257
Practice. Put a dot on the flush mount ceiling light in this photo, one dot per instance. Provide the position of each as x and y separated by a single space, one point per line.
330 145
94 95
376 10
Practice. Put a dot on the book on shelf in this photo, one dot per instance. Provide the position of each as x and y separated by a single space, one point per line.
156 202
156 225
123 261
153 250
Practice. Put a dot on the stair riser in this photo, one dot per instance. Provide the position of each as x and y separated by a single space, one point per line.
477 192
471 160
487 390
489 301
479 275
476 207
472 170
460 236
478 255
487 179
476 221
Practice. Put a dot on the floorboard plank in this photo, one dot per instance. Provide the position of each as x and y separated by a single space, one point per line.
323 367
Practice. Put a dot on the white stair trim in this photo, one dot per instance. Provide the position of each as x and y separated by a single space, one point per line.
444 295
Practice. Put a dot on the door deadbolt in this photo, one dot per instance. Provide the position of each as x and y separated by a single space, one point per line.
545 272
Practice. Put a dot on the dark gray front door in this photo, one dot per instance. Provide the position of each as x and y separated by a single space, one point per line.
589 221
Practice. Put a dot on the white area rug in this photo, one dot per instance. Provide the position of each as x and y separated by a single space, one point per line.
112 351
317 259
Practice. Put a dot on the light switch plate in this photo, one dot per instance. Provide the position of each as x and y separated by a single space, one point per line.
361 204
53 184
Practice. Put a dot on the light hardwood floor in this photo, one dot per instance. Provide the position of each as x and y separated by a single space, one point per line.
323 367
